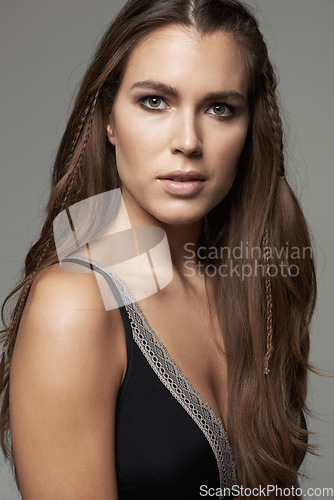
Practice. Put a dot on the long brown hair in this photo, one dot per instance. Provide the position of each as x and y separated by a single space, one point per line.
265 318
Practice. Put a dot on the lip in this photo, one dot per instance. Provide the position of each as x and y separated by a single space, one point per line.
186 175
182 183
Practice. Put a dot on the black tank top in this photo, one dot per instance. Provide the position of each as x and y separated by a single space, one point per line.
169 443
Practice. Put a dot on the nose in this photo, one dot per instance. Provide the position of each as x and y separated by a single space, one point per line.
185 136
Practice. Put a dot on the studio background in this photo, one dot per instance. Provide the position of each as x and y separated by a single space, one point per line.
44 49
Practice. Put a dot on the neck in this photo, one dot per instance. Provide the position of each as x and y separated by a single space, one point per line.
182 240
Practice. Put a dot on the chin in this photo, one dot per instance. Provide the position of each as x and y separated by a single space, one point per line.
177 219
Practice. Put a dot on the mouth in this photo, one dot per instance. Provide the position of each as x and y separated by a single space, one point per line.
182 183
179 176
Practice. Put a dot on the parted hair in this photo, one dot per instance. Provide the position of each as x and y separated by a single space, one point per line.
265 319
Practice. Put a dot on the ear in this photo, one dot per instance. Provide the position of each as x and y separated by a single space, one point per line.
108 123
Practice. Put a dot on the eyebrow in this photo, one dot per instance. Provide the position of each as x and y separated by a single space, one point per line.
172 91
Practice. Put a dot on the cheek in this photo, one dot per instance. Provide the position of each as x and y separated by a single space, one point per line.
230 147
137 145
126 142
226 157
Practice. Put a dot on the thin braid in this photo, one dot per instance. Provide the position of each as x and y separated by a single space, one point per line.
84 145
269 303
76 137
277 129
274 114
276 123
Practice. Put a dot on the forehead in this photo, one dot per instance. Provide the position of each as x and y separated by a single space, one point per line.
185 59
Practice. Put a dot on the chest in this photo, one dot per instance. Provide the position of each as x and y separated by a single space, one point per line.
191 333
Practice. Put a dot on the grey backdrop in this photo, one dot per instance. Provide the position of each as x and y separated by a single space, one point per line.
44 48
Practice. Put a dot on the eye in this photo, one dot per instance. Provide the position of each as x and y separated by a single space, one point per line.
222 111
153 102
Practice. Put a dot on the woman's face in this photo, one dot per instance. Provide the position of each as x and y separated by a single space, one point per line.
179 124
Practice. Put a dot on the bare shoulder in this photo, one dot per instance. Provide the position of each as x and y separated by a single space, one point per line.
56 287
65 316
66 372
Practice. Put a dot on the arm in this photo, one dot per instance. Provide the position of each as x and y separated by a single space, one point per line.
67 369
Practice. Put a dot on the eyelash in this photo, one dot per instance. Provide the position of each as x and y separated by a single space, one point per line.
155 110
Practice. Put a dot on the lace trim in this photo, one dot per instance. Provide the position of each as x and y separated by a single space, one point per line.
177 383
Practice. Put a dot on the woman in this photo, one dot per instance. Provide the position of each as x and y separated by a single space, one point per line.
204 385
